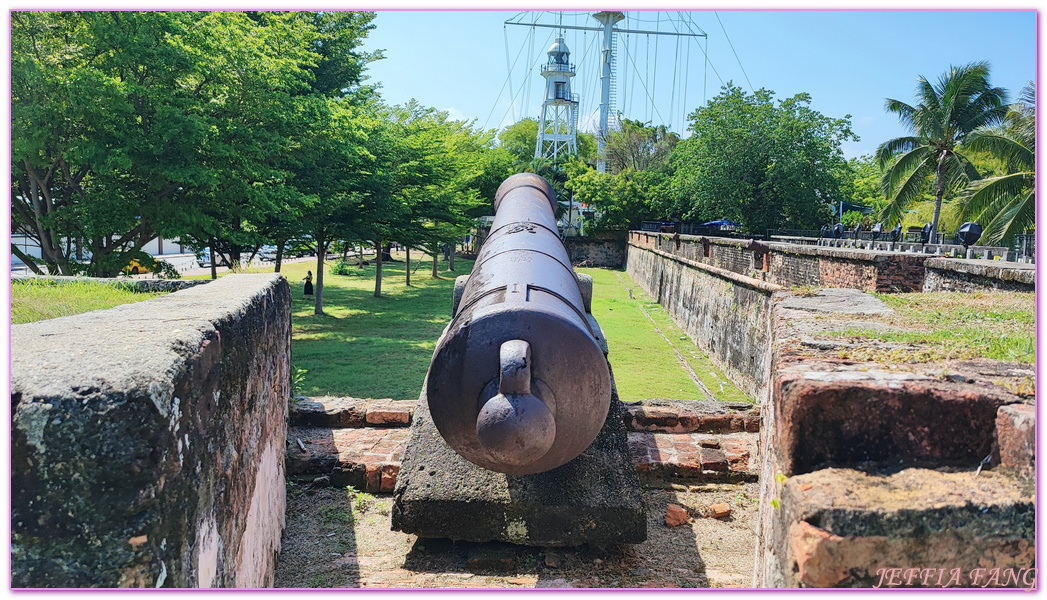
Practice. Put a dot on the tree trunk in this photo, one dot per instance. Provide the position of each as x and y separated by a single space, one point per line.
436 259
407 250
939 191
360 250
378 269
386 252
214 259
26 259
279 256
318 287
450 259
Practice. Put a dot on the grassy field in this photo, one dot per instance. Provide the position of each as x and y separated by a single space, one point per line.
644 363
364 346
949 325
36 300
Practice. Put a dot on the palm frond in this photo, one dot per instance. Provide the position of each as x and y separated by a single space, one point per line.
1016 217
1027 97
907 163
1002 146
976 202
889 149
976 116
905 112
958 171
908 190
968 167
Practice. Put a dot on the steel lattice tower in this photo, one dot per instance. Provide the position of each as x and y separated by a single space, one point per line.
558 126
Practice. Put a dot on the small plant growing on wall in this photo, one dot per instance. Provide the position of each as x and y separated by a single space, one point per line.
297 384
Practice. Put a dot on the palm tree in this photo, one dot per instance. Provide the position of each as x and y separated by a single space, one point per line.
1005 205
961 102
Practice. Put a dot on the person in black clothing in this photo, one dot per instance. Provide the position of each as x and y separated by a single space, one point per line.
308 283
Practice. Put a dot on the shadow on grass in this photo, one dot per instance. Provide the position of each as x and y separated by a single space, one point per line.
372 347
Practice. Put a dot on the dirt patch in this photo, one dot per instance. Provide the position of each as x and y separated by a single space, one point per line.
332 540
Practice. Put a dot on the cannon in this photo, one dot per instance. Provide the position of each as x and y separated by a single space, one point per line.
518 383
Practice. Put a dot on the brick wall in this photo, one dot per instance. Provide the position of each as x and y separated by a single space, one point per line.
148 440
791 265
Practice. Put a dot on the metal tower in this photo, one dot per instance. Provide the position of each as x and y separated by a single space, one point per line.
607 19
558 127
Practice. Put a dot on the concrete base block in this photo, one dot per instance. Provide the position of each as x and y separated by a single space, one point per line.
594 499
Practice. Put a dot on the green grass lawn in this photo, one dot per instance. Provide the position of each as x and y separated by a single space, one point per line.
955 325
381 347
364 346
39 299
644 364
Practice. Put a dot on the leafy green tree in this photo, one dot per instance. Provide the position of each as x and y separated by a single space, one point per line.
619 200
519 139
762 164
861 182
961 102
496 164
1005 205
638 146
103 131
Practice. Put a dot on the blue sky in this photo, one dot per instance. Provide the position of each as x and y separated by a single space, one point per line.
849 61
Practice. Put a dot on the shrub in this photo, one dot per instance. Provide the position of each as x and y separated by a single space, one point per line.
342 267
165 270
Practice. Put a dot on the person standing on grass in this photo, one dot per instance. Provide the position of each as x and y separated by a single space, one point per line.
308 283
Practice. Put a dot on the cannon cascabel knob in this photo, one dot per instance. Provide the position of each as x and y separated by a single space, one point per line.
515 426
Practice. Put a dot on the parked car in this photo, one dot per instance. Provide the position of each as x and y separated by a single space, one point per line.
203 259
135 267
267 253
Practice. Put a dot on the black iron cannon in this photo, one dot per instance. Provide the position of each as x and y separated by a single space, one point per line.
518 383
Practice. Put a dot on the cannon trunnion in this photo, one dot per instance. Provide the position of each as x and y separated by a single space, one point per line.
518 383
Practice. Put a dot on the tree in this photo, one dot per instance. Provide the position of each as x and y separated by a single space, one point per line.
861 182
961 102
1005 204
104 135
638 146
621 200
758 163
520 139
126 125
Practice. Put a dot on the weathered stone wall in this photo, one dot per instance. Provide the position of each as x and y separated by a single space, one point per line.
148 440
724 313
589 252
955 275
876 477
871 476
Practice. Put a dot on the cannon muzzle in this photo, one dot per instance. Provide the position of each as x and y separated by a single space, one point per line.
518 383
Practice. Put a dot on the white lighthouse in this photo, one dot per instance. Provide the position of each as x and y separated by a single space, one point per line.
557 129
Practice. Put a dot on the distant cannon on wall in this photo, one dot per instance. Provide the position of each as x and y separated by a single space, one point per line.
518 383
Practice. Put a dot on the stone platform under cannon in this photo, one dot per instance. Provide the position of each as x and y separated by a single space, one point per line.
593 499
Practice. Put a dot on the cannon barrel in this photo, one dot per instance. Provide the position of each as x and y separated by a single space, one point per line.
518 383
